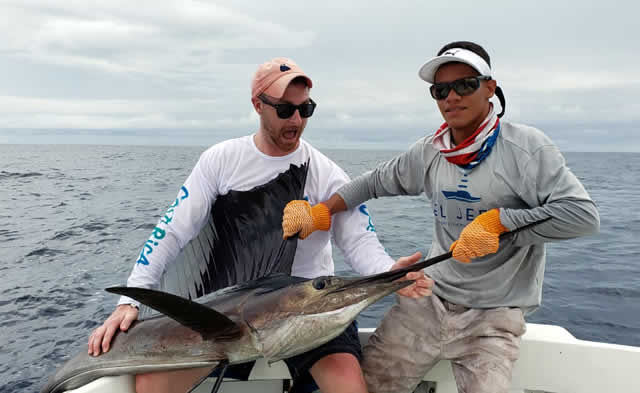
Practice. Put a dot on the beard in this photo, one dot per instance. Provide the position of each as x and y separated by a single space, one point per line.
284 138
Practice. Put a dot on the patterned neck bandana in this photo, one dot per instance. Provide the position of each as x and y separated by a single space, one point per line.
468 154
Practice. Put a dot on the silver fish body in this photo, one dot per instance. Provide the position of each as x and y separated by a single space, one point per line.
272 318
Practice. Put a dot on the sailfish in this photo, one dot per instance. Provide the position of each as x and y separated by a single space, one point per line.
233 299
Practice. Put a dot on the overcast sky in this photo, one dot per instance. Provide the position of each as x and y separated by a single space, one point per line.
178 72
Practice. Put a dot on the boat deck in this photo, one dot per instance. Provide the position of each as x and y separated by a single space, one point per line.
551 360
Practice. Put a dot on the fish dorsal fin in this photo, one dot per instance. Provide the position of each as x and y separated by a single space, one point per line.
204 320
241 240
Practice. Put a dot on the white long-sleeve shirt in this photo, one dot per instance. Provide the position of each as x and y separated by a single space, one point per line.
237 164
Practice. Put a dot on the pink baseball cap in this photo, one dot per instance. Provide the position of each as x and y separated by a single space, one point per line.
273 77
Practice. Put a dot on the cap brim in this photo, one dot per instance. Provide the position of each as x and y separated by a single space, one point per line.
428 70
277 88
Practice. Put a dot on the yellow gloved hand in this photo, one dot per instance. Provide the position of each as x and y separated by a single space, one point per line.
299 217
479 238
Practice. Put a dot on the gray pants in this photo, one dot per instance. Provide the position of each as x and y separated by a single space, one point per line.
482 345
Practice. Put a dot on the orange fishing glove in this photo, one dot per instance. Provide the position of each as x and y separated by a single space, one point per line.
299 217
479 238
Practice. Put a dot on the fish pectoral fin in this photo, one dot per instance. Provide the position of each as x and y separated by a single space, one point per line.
204 320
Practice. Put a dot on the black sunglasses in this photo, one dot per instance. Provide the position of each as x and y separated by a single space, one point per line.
463 87
286 110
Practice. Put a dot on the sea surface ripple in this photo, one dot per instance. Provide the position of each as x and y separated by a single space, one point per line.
74 218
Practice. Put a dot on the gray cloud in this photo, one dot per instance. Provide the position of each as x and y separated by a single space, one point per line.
180 70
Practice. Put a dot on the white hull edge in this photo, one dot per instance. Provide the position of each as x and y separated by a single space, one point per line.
551 360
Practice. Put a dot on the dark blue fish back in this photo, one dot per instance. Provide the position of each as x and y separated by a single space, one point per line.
241 241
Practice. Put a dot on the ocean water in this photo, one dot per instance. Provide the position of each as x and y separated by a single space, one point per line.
73 219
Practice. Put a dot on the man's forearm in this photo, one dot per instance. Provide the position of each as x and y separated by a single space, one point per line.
335 204
570 219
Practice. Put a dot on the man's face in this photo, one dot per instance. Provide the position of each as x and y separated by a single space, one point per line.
283 135
463 112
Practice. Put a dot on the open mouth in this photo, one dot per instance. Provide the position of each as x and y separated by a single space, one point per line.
290 134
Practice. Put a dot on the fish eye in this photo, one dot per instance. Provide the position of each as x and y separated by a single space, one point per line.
319 283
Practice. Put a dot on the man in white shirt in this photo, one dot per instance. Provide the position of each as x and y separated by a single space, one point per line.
280 96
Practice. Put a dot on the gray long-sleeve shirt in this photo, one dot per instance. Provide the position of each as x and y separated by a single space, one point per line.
525 176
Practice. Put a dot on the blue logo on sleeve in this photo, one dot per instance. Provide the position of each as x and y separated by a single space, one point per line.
158 233
363 210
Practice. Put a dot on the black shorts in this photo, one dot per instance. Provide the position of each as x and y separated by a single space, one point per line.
299 365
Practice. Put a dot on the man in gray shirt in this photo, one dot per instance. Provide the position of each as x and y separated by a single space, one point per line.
484 177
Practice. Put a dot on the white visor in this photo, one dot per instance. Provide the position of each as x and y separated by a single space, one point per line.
428 70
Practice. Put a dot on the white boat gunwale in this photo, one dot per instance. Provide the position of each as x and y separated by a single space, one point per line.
551 360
